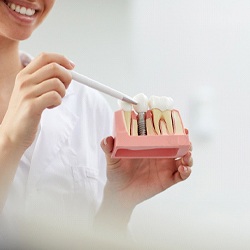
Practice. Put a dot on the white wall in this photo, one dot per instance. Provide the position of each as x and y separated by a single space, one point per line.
176 48
181 49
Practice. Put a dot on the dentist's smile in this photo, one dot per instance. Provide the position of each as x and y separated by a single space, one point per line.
21 11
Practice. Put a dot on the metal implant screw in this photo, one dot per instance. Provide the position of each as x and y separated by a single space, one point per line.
142 130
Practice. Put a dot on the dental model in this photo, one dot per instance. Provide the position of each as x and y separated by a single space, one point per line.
161 125
161 108
141 108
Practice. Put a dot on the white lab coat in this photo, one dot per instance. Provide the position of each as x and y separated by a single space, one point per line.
60 178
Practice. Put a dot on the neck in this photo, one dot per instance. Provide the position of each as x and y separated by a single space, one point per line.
10 63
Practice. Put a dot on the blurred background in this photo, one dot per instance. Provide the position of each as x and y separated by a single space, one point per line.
197 52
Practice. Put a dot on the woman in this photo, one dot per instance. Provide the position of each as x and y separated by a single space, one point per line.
51 166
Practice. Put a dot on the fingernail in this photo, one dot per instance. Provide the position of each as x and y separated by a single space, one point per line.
72 64
186 158
185 169
191 162
105 141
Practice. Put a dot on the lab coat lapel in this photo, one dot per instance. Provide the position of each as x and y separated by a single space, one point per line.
55 127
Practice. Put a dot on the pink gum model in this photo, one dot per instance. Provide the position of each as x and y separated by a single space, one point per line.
149 146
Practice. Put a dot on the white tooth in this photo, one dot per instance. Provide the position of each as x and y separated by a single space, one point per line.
161 108
13 6
23 10
17 9
156 102
127 108
124 105
29 12
169 103
162 103
142 103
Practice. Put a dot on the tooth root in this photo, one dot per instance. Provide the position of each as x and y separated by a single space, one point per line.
168 119
149 124
127 120
178 126
163 127
134 125
156 119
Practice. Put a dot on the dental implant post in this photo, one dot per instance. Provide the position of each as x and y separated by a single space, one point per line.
142 129
141 109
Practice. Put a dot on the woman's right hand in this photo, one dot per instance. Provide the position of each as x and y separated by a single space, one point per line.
41 84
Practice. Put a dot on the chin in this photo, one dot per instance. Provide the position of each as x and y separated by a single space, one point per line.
20 36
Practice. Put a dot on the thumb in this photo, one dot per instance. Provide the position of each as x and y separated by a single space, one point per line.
107 146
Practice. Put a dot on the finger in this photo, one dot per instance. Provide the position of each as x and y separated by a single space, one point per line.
52 70
53 84
182 174
107 146
47 58
191 146
48 100
187 133
186 160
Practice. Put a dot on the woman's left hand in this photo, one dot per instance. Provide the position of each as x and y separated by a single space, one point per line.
131 181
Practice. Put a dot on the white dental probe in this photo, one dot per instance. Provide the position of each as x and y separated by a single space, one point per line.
101 87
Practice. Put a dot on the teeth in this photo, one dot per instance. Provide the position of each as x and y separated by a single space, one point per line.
134 125
178 126
160 119
163 127
142 103
149 124
162 103
127 108
161 108
21 9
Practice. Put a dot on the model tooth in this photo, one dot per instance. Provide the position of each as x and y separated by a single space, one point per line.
161 108
154 103
134 125
163 127
127 109
167 114
149 123
178 126
142 103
